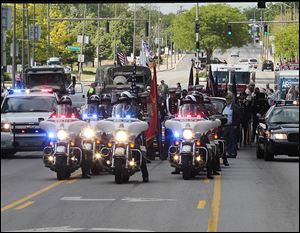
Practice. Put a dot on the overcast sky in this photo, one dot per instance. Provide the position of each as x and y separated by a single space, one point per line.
167 8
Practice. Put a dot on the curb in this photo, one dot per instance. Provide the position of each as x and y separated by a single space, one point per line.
174 66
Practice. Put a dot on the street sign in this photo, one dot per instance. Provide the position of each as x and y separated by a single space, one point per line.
35 32
160 40
73 48
11 49
6 17
80 57
79 39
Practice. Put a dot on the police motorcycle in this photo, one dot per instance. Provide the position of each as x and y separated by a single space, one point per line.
63 155
125 148
90 137
189 151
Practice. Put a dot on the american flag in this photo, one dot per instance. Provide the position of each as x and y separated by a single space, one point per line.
121 58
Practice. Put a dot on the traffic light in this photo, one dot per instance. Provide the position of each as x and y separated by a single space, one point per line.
107 27
197 46
261 4
266 30
197 27
229 30
147 28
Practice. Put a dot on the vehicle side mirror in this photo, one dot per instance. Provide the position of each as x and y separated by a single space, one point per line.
83 96
40 119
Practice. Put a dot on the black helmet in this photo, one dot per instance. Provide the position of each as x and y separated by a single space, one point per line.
66 100
94 99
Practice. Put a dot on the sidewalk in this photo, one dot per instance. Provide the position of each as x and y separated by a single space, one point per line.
164 67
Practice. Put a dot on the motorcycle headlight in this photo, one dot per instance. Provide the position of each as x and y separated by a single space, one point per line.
5 127
62 134
88 133
121 136
187 134
279 136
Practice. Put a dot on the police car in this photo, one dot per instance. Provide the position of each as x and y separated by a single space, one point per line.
278 131
21 112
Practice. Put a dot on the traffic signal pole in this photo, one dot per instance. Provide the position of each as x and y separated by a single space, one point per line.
197 29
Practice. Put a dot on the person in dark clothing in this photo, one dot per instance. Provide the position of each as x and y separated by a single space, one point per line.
245 106
233 115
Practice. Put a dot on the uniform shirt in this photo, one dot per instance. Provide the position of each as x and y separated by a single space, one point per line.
228 113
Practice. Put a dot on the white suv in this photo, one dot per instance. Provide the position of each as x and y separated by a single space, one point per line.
21 112
252 62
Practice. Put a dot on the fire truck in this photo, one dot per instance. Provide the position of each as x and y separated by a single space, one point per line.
223 74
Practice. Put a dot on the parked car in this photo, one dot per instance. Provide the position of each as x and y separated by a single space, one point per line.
294 66
235 54
278 131
267 65
252 62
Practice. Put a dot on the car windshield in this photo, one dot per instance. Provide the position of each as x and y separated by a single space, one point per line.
218 106
285 115
242 77
29 104
124 110
46 79
222 76
189 110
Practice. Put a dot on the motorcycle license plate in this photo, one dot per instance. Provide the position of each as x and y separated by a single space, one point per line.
186 148
61 149
120 151
87 146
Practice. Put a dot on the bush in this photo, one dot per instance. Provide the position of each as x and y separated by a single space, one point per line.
6 77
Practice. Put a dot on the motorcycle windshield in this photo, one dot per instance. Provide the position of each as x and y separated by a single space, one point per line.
189 110
124 110
64 110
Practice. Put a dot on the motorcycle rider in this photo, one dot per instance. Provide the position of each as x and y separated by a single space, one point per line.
127 98
170 106
66 109
105 105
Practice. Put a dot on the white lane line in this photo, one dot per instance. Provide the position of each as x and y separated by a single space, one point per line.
119 229
50 229
136 199
88 199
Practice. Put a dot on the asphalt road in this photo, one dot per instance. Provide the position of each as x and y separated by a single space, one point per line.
250 195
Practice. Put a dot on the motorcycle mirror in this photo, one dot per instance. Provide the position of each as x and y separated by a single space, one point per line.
41 119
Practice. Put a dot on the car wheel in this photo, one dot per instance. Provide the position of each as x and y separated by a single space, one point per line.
7 153
267 155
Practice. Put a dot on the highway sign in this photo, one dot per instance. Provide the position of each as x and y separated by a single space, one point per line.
73 48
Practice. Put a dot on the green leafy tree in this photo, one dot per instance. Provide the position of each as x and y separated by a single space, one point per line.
214 19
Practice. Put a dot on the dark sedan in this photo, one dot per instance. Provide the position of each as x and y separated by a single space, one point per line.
267 65
278 131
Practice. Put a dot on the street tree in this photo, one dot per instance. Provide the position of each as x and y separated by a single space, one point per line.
214 19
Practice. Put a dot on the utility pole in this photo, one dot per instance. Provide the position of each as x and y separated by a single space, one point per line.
149 25
134 18
48 25
171 52
158 44
14 48
115 45
28 36
168 50
82 42
23 42
98 48
33 45
197 45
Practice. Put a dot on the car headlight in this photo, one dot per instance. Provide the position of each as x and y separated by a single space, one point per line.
279 136
187 134
88 133
5 127
62 134
121 136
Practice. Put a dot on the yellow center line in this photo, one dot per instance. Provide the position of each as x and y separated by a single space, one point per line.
71 181
28 203
215 206
206 181
201 204
18 202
